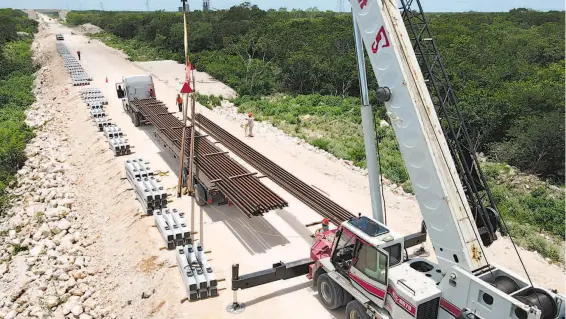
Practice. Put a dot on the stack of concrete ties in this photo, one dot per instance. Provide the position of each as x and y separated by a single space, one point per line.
112 131
151 194
149 190
173 227
198 277
136 169
78 76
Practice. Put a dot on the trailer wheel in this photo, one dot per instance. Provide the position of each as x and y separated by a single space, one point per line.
331 294
355 310
200 194
137 120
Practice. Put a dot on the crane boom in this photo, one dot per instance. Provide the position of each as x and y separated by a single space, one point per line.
422 144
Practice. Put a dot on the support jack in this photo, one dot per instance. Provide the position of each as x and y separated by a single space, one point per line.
236 307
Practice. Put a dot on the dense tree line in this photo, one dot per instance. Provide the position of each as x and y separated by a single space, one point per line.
507 68
16 80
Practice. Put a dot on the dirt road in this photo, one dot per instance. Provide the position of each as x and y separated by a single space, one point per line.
124 249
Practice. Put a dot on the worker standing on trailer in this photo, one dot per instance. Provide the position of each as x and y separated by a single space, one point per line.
180 102
79 55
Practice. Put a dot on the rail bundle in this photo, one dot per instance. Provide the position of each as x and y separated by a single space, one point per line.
243 189
305 193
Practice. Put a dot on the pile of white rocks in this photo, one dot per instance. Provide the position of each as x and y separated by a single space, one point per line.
41 247
44 271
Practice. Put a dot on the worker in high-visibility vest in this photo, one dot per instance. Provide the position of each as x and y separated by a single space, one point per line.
180 102
325 223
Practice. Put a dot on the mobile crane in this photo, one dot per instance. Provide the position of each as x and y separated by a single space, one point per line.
363 265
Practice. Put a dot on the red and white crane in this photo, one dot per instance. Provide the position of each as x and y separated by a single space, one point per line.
362 263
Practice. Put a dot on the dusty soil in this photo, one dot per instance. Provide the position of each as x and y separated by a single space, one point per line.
118 246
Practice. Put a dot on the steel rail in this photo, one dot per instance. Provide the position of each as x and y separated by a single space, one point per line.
305 193
242 188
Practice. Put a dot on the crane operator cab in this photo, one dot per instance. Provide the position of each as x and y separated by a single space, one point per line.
364 260
367 259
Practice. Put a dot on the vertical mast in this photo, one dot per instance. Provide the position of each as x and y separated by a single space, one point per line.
368 127
422 144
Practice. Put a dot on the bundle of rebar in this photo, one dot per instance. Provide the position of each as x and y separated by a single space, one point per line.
242 188
305 193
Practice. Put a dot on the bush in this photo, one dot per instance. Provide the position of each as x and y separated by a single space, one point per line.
321 143
16 80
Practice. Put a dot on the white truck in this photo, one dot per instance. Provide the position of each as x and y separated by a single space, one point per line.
132 88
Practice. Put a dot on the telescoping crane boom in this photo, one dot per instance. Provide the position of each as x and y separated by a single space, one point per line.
361 264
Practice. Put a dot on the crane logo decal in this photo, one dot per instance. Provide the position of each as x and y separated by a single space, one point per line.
363 3
381 35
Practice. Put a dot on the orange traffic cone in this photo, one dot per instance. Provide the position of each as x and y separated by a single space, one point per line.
106 79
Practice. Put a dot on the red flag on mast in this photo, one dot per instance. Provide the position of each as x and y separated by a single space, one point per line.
186 88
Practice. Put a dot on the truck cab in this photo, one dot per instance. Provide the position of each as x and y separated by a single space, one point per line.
135 87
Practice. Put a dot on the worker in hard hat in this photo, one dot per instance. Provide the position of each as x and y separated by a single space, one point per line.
180 102
325 223
250 124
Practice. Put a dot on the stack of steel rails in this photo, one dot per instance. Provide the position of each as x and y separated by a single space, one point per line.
198 277
78 76
305 193
242 187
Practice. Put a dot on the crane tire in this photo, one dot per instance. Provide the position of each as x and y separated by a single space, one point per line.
331 294
354 309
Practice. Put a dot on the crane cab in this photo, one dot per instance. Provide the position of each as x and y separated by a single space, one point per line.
366 259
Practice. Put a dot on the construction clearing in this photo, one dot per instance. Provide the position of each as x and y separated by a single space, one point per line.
130 245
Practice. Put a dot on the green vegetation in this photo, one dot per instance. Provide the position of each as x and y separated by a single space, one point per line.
209 101
16 80
298 70
507 68
18 249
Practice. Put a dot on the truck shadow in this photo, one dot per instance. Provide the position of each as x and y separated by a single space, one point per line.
256 234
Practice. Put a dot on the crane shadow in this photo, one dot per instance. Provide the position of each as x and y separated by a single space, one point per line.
336 313
279 293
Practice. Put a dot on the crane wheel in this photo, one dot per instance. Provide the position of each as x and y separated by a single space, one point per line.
331 294
355 310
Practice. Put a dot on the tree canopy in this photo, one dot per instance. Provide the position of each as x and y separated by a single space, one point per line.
507 68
